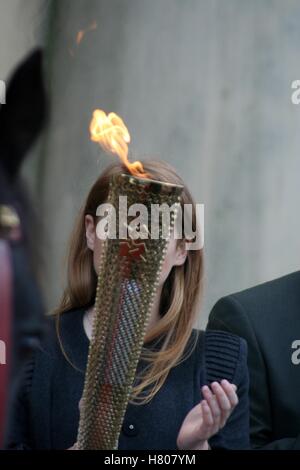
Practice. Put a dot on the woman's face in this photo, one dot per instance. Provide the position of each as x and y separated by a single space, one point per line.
175 256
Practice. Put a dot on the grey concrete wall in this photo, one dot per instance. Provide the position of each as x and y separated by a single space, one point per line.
22 27
202 84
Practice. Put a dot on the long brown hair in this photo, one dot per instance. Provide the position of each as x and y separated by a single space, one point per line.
180 294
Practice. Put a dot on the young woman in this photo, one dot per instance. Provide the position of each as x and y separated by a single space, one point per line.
193 394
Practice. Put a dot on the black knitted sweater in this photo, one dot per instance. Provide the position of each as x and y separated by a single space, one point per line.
45 413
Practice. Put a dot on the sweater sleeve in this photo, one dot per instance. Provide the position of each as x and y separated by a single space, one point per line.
226 358
18 428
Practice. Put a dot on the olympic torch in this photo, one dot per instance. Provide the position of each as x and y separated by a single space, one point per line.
127 283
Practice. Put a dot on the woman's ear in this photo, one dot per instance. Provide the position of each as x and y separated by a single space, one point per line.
181 253
90 232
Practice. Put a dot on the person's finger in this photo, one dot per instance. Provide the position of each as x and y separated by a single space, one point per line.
230 390
213 404
207 415
206 392
222 398
225 404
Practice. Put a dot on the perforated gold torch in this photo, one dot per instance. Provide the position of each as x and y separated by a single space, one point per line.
127 282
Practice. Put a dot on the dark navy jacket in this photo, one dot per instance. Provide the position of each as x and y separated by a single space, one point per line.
46 414
268 318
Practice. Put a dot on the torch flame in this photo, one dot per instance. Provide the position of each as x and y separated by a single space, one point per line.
109 131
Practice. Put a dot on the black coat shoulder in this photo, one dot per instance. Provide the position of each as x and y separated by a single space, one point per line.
267 316
259 301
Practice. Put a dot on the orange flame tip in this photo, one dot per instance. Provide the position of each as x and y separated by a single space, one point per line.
109 131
